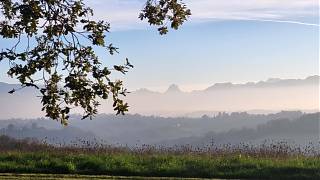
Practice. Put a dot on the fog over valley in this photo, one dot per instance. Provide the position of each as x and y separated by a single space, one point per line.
276 109
291 126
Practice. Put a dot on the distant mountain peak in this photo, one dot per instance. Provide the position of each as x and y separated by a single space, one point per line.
144 91
315 77
273 80
173 88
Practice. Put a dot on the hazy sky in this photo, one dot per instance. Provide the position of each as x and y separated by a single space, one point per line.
234 41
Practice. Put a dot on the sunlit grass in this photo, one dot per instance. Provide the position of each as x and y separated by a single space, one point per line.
267 162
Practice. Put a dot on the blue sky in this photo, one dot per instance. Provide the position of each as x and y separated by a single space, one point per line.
233 41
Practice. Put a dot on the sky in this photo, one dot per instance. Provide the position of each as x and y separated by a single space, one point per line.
223 41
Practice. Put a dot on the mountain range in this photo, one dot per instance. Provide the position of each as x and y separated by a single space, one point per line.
269 96
264 96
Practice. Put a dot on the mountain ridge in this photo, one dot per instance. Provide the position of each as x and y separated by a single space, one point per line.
272 94
260 84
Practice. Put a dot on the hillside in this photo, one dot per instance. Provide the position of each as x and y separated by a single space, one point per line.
138 130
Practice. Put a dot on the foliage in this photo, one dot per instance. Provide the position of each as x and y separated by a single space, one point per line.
63 56
160 13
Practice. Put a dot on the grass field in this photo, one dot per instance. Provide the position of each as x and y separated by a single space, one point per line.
268 162
82 177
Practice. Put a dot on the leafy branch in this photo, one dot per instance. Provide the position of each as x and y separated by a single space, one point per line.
71 73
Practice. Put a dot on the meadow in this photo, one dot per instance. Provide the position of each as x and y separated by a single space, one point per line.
275 160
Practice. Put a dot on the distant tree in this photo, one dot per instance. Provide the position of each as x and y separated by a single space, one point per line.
34 126
10 127
205 116
61 40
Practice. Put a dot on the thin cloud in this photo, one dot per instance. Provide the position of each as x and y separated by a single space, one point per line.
284 21
264 20
123 14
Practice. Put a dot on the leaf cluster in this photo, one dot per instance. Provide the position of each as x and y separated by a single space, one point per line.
61 41
163 12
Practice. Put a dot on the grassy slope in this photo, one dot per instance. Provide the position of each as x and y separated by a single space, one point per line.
167 165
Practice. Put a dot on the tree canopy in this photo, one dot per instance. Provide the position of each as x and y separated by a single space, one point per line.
62 52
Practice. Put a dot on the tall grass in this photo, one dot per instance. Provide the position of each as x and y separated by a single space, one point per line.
267 161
